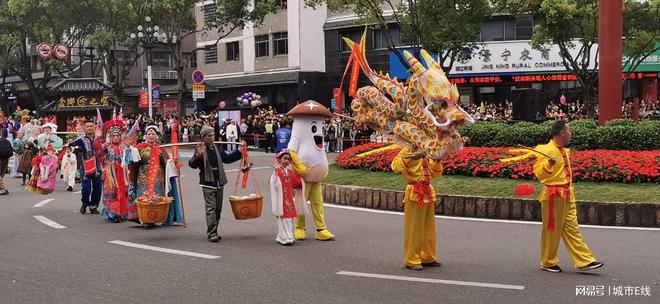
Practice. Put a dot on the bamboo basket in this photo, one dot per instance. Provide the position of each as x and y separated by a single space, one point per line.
153 211
245 208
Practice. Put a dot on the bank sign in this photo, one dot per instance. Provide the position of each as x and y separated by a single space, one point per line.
504 58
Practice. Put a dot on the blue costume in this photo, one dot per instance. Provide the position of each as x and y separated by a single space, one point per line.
92 185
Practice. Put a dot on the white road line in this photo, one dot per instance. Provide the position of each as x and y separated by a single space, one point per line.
44 220
165 250
43 203
426 280
474 219
255 168
77 192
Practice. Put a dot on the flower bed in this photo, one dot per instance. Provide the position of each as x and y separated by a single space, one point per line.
590 165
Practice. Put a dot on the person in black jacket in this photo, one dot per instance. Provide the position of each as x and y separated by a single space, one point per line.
208 158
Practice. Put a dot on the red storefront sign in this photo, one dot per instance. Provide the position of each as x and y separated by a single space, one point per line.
170 107
144 99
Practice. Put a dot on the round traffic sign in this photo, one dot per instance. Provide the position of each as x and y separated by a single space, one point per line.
61 51
44 50
198 77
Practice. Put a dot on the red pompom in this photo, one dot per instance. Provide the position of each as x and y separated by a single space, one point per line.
525 190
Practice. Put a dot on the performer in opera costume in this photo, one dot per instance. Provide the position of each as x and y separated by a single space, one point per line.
115 181
287 197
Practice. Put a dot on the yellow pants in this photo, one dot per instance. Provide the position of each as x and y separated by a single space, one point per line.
314 194
566 228
418 233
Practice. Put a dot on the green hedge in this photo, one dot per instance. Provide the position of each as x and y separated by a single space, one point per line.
619 134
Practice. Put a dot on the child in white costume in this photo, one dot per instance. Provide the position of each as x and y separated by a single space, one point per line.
69 168
286 196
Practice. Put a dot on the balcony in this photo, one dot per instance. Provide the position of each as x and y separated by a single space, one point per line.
161 74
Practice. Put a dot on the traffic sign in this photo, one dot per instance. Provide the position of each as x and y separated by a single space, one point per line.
198 95
198 87
44 50
61 51
197 77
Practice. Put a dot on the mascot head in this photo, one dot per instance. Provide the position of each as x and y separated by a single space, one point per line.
307 137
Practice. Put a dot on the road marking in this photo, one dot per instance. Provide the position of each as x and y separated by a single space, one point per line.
165 250
77 192
255 168
474 219
46 221
43 203
426 280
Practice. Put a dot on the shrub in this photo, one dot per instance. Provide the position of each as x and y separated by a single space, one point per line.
620 134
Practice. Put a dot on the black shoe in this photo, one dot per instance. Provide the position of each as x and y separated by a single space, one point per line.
4 192
553 269
93 211
432 264
592 266
70 189
83 209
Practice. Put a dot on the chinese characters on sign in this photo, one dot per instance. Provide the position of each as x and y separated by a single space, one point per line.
512 57
83 101
617 291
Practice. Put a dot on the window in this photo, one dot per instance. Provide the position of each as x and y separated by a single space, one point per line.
353 34
210 11
232 51
163 59
280 43
192 59
520 28
211 54
261 45
524 27
121 58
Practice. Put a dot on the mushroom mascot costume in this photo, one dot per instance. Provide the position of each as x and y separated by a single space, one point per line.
310 162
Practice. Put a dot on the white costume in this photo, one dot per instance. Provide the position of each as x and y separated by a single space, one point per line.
69 168
285 225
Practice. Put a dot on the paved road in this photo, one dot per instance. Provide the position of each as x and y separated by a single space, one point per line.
483 262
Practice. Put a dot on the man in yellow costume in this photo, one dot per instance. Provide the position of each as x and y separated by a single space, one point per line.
419 208
309 160
553 170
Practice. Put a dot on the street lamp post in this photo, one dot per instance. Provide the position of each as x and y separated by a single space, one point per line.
149 36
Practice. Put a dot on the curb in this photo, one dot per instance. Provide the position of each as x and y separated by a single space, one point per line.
592 213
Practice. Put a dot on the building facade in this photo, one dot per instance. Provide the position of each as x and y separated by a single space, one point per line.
282 60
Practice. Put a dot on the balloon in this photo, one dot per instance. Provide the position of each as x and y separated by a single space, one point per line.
245 102
246 95
257 97
562 99
255 103
222 105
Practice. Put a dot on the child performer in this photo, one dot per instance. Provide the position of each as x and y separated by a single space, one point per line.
287 199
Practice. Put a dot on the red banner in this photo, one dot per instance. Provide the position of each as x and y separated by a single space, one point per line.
338 96
355 73
144 99
170 107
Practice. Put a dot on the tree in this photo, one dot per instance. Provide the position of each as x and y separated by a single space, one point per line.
641 31
449 28
23 24
177 20
116 20
568 24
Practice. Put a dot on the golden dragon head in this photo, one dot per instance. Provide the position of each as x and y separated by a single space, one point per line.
440 96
